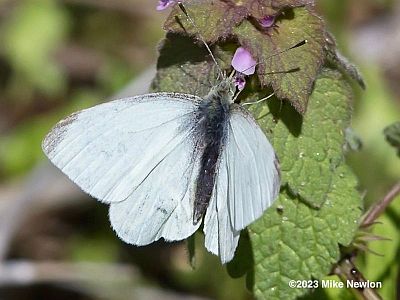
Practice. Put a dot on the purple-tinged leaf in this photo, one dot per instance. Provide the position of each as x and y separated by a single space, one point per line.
291 73
215 19
261 8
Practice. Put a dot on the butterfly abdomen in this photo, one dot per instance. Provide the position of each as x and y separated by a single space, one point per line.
214 112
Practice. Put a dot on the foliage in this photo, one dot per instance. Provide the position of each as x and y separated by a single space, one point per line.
297 241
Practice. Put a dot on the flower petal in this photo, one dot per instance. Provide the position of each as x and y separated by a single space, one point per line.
267 21
163 4
243 62
240 81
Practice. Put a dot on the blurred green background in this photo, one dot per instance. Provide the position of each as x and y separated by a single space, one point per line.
60 56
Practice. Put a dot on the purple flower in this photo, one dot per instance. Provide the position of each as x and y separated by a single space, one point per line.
240 81
267 21
163 4
244 64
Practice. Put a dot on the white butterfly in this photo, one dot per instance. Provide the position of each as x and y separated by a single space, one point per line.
166 161
163 161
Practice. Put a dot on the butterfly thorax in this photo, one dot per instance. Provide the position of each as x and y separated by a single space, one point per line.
213 115
224 91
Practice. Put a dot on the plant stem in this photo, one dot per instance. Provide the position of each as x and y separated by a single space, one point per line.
347 271
377 209
345 268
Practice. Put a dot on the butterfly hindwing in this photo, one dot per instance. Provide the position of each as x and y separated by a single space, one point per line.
247 183
254 179
220 237
162 206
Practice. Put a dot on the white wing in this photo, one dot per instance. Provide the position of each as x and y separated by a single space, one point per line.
109 149
247 183
137 154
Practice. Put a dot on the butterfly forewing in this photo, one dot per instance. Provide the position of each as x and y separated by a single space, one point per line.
110 149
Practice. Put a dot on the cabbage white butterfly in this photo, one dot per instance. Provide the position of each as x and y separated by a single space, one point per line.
165 162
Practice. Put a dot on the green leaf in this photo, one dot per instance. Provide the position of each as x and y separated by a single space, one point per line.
291 73
300 243
293 241
311 147
392 133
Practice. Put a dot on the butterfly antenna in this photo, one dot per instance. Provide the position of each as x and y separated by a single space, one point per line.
191 21
299 44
